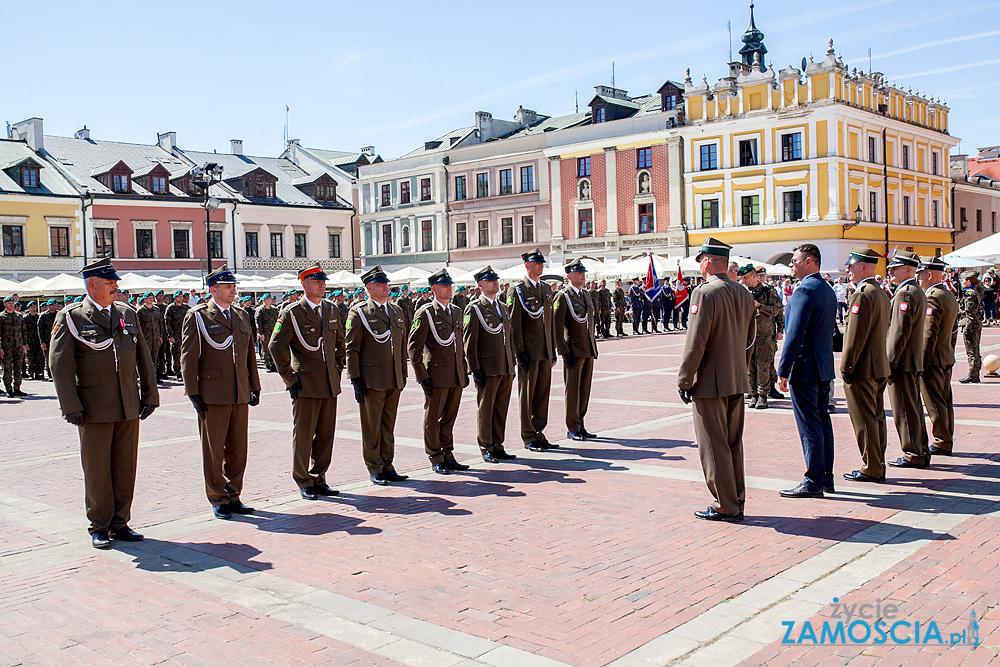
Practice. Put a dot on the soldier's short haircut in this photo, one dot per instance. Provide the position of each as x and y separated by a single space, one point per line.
809 250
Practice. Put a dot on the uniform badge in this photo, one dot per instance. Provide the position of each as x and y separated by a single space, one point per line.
694 308
346 326
416 323
510 299
277 327
467 318
556 306
855 309
929 311
904 306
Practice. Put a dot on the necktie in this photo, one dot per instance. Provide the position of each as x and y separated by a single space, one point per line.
225 314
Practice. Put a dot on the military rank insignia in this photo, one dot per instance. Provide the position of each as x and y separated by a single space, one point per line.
904 306
416 323
467 318
556 306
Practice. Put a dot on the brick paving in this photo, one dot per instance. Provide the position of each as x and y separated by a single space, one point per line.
588 555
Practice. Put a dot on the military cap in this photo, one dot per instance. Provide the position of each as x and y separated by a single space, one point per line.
374 275
30 304
221 276
459 289
336 292
712 246
860 253
761 269
131 299
101 269
146 296
245 298
904 258
78 299
8 299
178 293
745 269
314 273
485 273
576 265
202 299
289 293
50 302
442 277
533 256
158 293
932 264
971 274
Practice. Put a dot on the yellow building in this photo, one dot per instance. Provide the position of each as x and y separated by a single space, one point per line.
777 159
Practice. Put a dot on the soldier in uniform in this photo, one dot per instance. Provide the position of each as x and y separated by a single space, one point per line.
461 298
530 305
173 320
575 318
309 351
864 365
489 351
713 375
768 307
13 346
45 322
96 353
640 307
342 307
376 364
265 317
219 369
35 357
970 318
435 350
161 303
151 323
940 336
620 307
604 300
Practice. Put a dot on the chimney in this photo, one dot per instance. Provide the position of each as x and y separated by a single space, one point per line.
989 153
526 117
292 150
82 134
368 151
167 140
958 166
29 131
236 146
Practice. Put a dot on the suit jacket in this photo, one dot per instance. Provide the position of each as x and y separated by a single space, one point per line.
720 336
221 377
532 335
572 336
905 342
101 382
940 326
443 364
491 353
380 365
807 355
865 353
309 348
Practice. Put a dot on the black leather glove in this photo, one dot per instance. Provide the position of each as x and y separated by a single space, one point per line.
428 387
254 398
569 360
466 381
146 411
846 377
359 390
479 378
293 390
685 394
199 405
75 418
522 360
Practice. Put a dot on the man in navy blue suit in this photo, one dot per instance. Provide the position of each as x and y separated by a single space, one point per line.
807 360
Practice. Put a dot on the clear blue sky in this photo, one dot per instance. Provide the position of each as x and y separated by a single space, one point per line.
395 74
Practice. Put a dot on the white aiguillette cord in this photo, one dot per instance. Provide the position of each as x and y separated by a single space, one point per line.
572 311
302 341
208 339
430 317
379 338
535 314
486 327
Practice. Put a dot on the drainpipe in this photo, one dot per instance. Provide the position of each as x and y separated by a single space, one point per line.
885 193
83 219
447 223
236 265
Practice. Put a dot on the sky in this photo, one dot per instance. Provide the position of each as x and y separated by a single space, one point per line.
396 74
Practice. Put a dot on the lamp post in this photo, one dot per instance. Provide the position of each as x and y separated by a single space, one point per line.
205 177
857 219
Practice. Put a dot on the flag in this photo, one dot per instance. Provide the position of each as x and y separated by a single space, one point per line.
652 284
680 293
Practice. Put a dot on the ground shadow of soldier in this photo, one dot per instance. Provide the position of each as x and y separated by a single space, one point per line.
319 523
630 449
468 484
406 505
160 556
844 529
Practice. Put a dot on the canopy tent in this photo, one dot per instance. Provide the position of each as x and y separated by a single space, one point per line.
33 283
513 274
9 287
62 284
985 251
133 282
408 274
961 262
637 267
344 279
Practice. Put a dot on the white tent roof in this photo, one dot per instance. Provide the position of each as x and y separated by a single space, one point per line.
134 282
407 274
344 279
62 284
638 266
33 283
984 251
9 287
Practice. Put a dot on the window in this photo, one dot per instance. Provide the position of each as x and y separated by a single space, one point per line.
334 242
159 185
386 195
600 114
59 241
29 177
386 239
461 235
906 210
643 158
104 242
872 206
482 185
369 244
506 230
709 157
748 153
13 240
215 244
484 233
528 179
404 192
793 206
426 237
670 102
506 182
259 185
277 244
791 147
646 222
528 228
934 213
182 243
121 183
979 218
751 210
326 192
460 191
425 189
582 167
299 240
934 163
406 236
906 157
144 243
253 250
586 222
710 213
872 152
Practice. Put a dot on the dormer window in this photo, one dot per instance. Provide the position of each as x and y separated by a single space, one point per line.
29 177
600 114
258 184
159 185
121 183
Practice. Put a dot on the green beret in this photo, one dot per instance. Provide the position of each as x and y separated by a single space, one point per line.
745 269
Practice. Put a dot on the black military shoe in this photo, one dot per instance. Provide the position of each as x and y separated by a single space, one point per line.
903 463
222 511
100 539
394 476
237 507
774 393
576 435
125 534
710 514
379 478
800 491
937 451
504 456
452 464
587 434
535 446
858 476
307 493
440 468
490 457
545 441
829 488
970 379
324 490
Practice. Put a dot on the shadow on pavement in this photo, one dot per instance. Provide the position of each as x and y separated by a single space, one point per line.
467 483
410 504
841 528
159 556
318 523
632 450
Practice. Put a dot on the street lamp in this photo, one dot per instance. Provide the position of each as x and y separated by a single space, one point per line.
857 219
205 177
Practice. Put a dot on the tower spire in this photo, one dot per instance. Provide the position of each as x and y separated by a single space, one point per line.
753 42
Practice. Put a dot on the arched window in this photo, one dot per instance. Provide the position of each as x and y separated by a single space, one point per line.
368 240
584 190
644 184
406 236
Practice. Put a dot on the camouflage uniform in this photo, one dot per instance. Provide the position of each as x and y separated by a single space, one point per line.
620 307
604 310
762 358
12 341
44 331
36 359
173 318
151 325
970 318
265 317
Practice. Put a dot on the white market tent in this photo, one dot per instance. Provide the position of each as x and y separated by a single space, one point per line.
62 284
983 252
33 283
344 279
956 261
134 282
407 274
638 266
9 287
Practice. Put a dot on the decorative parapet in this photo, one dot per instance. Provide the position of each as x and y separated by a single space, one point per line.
294 264
40 264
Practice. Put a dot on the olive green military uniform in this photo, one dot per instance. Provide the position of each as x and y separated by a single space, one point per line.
489 347
173 319
265 317
35 358
460 300
604 302
621 305
970 313
46 321
940 337
574 324
905 348
532 325
151 324
762 355
12 342
162 356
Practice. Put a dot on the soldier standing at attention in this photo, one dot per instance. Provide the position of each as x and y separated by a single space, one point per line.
219 369
713 375
620 306
461 299
342 307
309 351
164 353
96 353
151 323
435 350
768 306
530 304
864 365
489 350
13 347
376 364
45 322
575 317
604 298
35 359
173 319
940 336
970 318
266 316
640 307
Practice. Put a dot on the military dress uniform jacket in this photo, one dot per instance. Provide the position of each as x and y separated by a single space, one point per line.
435 345
575 319
865 354
940 328
905 342
95 362
310 348
376 345
489 342
532 319
223 376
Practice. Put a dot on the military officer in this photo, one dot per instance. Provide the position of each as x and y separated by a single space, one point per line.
640 307
604 300
96 353
530 304
219 370
713 375
435 350
864 365
620 307
970 318
45 322
575 317
309 351
265 317
768 305
376 364
940 336
35 357
173 320
13 346
151 324
489 351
